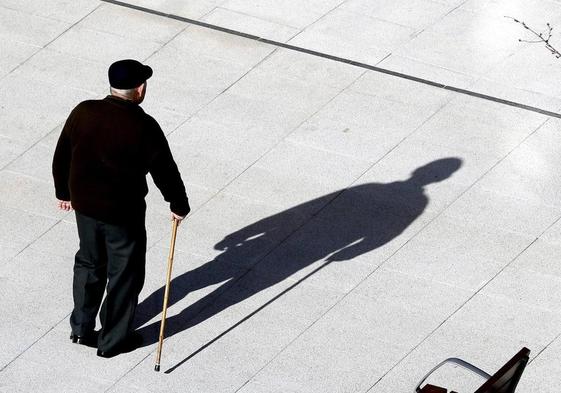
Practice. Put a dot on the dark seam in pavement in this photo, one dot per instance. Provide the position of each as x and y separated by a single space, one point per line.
448 318
338 59
33 343
49 43
25 61
30 147
559 335
544 348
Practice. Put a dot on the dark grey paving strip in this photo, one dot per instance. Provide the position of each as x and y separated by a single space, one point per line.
338 59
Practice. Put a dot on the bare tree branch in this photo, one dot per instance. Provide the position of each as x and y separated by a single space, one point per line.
543 37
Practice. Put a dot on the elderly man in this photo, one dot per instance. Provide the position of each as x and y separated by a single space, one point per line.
105 150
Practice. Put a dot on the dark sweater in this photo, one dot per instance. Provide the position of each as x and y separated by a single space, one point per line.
105 150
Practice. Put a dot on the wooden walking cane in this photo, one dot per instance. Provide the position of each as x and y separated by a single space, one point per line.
166 294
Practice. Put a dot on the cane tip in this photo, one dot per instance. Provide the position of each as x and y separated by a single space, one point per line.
157 367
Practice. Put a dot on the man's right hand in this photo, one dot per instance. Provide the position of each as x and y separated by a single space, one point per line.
177 217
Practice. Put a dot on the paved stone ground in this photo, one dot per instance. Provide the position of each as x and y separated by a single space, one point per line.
350 228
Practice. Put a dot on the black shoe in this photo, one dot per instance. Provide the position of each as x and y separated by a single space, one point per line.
89 340
132 342
107 354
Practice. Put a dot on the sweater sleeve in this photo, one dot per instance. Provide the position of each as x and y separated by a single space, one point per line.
165 173
61 161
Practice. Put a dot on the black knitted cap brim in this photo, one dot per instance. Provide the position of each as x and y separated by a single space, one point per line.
129 76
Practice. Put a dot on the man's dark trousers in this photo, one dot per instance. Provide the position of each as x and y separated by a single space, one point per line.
112 254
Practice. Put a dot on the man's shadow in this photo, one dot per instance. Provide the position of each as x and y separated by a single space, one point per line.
336 227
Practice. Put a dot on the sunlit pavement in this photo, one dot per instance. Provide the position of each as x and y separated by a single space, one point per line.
351 227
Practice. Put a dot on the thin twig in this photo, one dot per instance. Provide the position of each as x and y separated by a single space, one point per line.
539 35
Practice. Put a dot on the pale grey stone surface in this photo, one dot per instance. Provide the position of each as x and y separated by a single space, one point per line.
29 195
310 69
58 68
534 176
457 261
470 343
22 228
520 70
526 97
102 47
534 11
35 162
29 29
417 14
506 318
336 354
477 42
235 145
413 153
400 90
248 24
237 50
540 290
189 9
373 39
540 258
404 64
13 53
487 128
29 376
313 260
29 114
62 10
501 210
61 239
293 13
358 125
544 375
131 23
10 149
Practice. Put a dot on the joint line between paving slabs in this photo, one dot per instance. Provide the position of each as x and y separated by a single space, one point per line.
336 58
221 93
34 342
544 348
47 332
50 42
450 316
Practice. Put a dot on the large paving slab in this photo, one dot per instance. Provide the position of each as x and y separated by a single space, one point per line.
350 228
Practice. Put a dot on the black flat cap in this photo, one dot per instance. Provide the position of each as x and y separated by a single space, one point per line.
128 74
